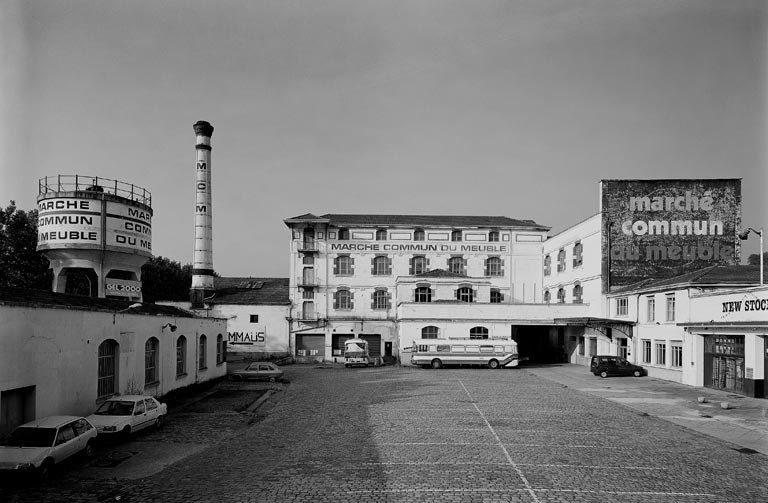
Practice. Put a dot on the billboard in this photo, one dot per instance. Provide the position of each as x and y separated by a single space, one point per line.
656 229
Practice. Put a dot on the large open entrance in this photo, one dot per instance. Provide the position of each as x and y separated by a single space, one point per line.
538 344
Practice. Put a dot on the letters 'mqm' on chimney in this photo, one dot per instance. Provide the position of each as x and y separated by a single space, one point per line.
202 264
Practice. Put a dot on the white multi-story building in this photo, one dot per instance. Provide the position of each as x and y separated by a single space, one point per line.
391 279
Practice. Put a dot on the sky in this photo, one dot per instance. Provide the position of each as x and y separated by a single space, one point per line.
441 107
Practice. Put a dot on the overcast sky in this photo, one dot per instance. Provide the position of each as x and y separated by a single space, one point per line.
473 107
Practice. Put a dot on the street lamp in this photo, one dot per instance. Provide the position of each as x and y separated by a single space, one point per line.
744 235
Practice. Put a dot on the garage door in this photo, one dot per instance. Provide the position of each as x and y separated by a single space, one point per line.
374 344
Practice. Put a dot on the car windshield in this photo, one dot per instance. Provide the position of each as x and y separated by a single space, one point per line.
115 408
32 437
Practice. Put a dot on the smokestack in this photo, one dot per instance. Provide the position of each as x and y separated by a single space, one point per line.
202 264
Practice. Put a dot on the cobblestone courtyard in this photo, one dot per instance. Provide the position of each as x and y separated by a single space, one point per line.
401 434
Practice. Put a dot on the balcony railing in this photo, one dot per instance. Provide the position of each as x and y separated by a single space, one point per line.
308 316
308 246
73 183
306 281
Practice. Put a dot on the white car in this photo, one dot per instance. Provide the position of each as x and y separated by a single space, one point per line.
127 414
43 443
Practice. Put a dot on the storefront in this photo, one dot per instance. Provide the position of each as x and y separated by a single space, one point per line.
728 333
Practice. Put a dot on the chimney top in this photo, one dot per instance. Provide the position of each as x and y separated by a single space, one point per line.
203 128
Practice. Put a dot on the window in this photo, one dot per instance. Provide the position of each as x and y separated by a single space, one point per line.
661 353
107 381
343 234
478 333
465 294
254 318
561 295
380 299
456 265
577 252
418 265
561 260
581 345
493 236
150 361
202 361
646 351
342 299
670 307
622 306
494 266
220 349
342 265
593 345
577 294
496 296
381 266
423 294
418 235
181 356
381 235
677 353
429 332
456 236
547 265
151 404
308 310
651 308
547 296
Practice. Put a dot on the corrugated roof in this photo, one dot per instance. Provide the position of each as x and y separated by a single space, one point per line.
251 291
709 276
359 220
45 298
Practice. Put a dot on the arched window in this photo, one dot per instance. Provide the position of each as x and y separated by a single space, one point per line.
342 265
547 265
493 236
381 266
547 296
381 235
496 296
494 266
423 294
578 250
418 235
430 332
561 295
478 333
456 265
343 234
561 260
465 294
202 361
181 356
108 352
577 293
342 299
150 361
456 236
220 349
418 264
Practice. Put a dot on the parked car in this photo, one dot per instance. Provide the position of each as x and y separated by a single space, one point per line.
41 444
606 365
258 370
128 414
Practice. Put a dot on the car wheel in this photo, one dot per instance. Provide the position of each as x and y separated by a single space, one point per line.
494 364
637 373
46 470
603 374
236 377
88 450
160 421
436 363
272 379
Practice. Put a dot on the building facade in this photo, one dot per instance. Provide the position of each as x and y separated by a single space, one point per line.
372 276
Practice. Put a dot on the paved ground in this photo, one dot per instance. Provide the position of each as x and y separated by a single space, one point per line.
400 435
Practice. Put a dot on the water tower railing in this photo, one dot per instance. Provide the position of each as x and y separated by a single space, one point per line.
73 183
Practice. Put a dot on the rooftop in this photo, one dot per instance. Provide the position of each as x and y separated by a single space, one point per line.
357 220
717 275
251 291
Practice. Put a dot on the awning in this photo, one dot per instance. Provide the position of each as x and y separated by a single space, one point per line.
599 324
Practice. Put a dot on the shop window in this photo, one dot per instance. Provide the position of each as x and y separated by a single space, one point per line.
418 235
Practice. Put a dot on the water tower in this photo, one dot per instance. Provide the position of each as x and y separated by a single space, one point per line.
97 228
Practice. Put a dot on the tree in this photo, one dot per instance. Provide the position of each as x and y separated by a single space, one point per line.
754 259
20 264
165 279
